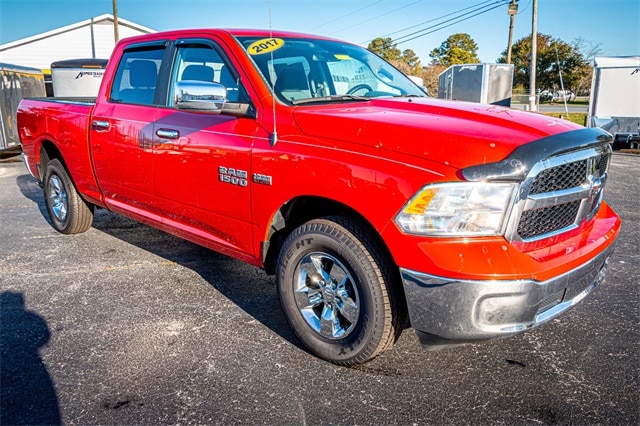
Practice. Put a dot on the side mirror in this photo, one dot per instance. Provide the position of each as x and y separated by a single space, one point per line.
199 95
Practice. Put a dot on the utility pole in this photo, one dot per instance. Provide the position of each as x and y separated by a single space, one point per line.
534 56
513 9
115 21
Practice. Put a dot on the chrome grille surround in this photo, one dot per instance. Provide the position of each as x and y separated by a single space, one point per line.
559 193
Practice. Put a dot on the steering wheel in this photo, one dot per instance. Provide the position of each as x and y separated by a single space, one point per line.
357 87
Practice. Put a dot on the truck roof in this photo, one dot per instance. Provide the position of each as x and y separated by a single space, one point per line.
234 32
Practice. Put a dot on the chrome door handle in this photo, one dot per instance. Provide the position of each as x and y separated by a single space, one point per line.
167 134
100 124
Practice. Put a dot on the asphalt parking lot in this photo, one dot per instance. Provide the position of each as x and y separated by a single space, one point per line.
127 325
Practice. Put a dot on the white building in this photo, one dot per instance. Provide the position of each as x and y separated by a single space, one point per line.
93 38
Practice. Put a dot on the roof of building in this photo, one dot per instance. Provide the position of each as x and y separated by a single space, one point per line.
96 20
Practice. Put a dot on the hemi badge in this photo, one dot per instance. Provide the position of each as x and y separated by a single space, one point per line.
261 179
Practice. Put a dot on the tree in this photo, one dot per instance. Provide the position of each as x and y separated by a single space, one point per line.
589 51
410 58
385 48
406 61
553 55
588 48
459 48
430 78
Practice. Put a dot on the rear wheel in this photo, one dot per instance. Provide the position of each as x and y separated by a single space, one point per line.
68 212
336 289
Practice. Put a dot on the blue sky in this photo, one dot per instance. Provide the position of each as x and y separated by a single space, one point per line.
613 24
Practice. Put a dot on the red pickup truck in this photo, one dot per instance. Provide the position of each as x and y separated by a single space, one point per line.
321 163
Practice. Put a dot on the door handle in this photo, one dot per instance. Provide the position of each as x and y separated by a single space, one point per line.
167 134
100 125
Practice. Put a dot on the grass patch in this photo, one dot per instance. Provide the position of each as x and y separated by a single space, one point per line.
575 117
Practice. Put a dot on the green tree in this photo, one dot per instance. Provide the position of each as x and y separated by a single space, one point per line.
410 58
406 61
385 48
553 56
459 48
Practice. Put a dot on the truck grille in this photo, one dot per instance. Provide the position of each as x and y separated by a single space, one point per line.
561 192
546 220
560 177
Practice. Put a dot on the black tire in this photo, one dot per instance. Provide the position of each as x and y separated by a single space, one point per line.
356 317
69 213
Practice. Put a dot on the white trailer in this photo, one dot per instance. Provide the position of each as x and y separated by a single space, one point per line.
77 77
614 104
482 83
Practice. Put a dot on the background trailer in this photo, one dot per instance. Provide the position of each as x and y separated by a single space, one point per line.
614 104
481 83
16 83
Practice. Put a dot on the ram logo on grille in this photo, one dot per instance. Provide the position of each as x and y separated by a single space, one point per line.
596 188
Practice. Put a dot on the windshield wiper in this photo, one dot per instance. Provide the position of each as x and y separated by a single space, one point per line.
331 98
410 96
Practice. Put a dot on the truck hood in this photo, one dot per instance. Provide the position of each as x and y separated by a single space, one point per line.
459 134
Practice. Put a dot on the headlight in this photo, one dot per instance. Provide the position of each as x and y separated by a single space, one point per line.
457 209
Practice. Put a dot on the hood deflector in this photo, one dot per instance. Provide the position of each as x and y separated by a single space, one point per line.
517 165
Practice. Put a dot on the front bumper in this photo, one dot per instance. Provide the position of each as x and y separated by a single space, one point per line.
446 312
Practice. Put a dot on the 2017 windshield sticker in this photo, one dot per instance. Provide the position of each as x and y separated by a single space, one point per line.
342 57
265 45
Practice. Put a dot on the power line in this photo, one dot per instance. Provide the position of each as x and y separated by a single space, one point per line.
376 17
436 19
344 16
446 26
525 8
455 20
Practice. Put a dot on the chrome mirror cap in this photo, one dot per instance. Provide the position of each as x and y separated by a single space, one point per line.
199 95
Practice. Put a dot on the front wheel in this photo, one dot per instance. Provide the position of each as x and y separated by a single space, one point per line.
68 212
337 291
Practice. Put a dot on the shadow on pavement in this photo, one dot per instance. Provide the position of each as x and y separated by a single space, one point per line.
254 291
27 394
256 296
31 190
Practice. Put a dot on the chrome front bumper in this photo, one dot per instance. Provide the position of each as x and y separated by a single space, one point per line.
446 312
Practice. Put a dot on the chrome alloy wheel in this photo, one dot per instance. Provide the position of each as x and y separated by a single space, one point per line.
326 295
58 198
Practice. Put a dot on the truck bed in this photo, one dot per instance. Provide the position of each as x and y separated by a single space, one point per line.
63 123
67 100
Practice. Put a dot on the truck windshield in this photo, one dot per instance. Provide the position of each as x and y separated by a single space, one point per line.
304 70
